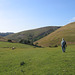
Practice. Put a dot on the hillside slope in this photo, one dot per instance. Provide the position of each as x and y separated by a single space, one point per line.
67 32
34 34
2 38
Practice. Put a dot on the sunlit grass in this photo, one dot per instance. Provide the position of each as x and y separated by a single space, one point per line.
38 61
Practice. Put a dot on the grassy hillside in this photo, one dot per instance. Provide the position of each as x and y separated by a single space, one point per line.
67 32
38 61
32 35
2 38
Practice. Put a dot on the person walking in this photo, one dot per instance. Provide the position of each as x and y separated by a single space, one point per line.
63 45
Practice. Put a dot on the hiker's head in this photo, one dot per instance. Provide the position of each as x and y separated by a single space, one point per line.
62 39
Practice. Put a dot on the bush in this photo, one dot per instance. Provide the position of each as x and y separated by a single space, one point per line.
9 40
56 46
22 63
49 46
25 41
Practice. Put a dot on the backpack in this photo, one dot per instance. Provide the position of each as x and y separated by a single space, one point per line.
63 43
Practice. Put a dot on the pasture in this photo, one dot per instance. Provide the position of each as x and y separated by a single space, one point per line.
37 61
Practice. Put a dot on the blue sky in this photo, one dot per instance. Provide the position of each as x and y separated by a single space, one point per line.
20 15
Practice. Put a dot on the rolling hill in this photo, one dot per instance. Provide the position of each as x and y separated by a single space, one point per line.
67 32
33 35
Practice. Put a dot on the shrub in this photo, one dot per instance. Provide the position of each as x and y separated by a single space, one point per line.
25 42
56 46
22 63
49 46
9 40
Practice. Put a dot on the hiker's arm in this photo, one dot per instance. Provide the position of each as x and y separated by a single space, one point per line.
66 45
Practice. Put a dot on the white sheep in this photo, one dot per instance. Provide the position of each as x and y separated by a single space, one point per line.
13 48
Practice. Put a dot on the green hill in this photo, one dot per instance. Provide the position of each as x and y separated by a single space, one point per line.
32 35
67 32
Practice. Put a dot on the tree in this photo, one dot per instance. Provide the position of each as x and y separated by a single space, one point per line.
9 40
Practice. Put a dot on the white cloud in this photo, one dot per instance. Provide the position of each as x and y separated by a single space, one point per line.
72 20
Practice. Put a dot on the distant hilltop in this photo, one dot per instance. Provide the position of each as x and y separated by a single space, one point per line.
33 35
3 34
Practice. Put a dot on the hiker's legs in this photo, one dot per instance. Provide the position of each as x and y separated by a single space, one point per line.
63 49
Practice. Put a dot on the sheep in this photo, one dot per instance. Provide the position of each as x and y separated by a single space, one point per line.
13 48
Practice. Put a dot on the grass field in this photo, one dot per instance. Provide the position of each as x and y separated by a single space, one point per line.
38 61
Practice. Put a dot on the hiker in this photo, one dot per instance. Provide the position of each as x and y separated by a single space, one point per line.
63 45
